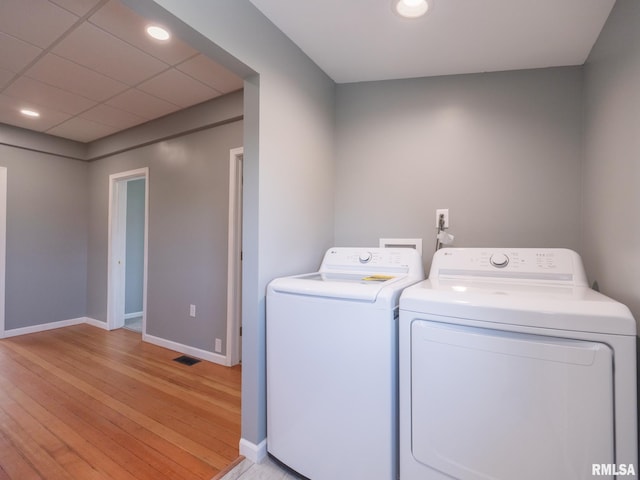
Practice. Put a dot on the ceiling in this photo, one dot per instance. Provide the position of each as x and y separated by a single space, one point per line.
363 40
90 69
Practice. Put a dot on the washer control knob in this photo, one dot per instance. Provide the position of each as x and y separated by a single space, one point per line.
365 257
499 260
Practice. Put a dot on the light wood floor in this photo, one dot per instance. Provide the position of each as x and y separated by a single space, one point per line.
83 403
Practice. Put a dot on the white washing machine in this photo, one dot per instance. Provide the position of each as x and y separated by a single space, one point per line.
511 367
332 364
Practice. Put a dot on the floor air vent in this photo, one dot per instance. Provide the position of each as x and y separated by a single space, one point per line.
186 360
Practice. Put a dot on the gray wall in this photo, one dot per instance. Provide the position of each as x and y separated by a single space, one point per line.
227 107
134 274
46 266
501 151
188 229
57 222
29 140
288 160
188 215
611 188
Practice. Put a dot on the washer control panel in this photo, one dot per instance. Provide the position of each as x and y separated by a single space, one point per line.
499 260
552 264
365 257
371 259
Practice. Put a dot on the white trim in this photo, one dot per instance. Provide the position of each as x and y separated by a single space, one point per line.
253 452
45 326
127 316
234 264
186 349
3 245
161 342
96 323
115 276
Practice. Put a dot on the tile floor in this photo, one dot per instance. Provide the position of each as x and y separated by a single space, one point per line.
265 470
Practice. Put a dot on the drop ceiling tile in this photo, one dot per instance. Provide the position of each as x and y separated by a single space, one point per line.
113 117
38 22
5 77
81 130
61 73
142 104
10 113
179 88
98 50
79 7
48 96
211 73
127 25
16 54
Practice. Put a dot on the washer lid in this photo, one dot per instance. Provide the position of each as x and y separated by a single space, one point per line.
358 274
351 286
576 308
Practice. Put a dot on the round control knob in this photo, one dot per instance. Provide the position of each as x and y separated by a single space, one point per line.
365 257
499 260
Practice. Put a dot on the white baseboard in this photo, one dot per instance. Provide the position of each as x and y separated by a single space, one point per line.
127 316
178 347
253 452
45 326
96 323
186 349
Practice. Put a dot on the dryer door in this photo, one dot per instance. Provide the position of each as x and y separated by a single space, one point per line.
489 404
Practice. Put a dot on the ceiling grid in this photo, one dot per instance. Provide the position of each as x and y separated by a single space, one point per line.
90 70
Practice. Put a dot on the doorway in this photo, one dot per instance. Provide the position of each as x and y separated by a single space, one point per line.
127 250
134 255
3 243
234 270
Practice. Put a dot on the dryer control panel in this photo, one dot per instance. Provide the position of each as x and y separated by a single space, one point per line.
557 265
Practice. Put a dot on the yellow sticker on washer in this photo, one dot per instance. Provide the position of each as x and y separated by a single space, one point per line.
378 278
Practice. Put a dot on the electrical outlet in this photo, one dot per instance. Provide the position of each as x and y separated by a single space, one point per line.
445 212
192 310
218 347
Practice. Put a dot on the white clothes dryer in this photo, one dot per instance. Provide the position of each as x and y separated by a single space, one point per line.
511 367
332 364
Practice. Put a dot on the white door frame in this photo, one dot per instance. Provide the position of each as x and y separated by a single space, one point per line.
116 266
3 245
234 259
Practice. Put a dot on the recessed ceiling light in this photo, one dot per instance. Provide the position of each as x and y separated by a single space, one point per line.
411 8
29 113
158 33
